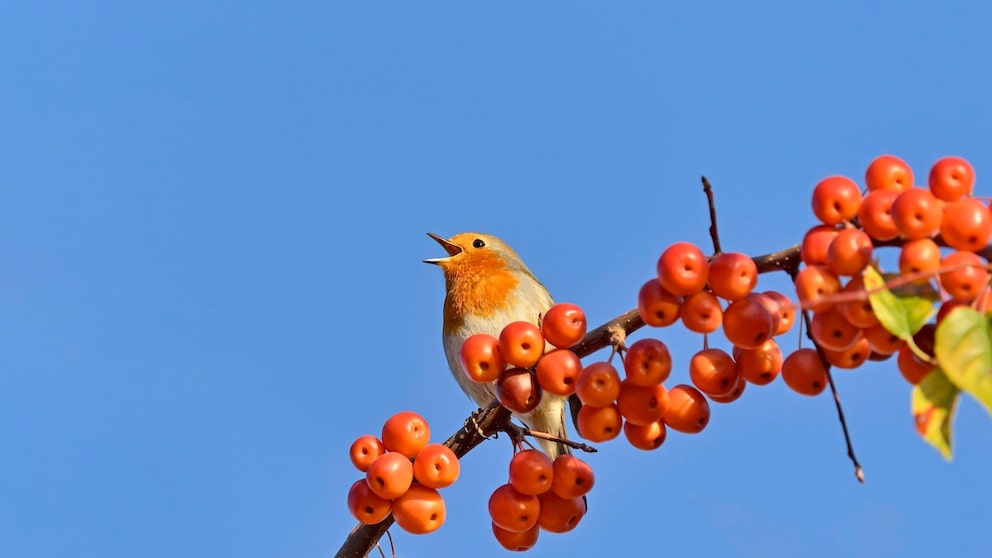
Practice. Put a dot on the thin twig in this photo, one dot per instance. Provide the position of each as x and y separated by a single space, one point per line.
564 441
392 547
708 189
858 471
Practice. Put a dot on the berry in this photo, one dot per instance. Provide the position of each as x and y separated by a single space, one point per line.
656 306
406 433
521 344
804 373
512 510
436 466
836 199
647 362
732 275
564 325
688 411
888 172
557 371
481 359
420 510
598 384
917 213
951 178
683 269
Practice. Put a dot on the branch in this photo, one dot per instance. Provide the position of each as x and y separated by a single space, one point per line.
708 190
489 420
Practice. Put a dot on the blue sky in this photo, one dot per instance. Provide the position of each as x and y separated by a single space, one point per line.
213 218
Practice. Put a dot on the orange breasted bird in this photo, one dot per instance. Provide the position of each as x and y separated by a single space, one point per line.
487 286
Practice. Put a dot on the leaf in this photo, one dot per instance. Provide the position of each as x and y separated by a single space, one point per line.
934 402
902 314
963 347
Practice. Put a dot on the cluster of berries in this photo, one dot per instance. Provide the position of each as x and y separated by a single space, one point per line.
403 473
540 495
940 232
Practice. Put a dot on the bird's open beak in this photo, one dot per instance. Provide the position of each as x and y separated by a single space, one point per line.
449 247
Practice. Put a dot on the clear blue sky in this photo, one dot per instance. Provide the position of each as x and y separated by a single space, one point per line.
213 217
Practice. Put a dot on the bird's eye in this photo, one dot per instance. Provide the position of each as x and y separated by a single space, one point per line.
478 243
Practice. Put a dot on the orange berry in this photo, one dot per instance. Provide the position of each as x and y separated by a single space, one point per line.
747 323
516 542
647 362
573 477
642 405
917 213
831 330
688 410
558 370
406 433
531 472
702 313
850 252
951 178
646 437
599 424
521 344
364 450
365 505
733 395
760 365
967 275
913 370
481 359
836 199
804 373
656 306
966 225
390 475
560 515
814 283
420 510
815 247
851 357
564 325
881 340
875 214
713 371
683 269
772 305
732 275
888 172
859 312
786 311
512 510
921 255
436 466
598 384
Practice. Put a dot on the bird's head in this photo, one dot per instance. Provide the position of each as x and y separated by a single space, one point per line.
482 275
475 258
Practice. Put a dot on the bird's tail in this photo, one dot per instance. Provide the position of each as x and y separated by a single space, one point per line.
549 418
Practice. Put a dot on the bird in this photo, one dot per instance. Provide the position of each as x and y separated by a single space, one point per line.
488 286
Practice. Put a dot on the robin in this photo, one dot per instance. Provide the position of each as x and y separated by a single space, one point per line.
487 286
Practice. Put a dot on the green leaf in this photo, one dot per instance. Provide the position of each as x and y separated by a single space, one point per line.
903 311
963 347
934 402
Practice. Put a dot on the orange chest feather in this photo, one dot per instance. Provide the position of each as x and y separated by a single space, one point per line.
479 290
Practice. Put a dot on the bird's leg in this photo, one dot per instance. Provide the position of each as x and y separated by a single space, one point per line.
473 419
